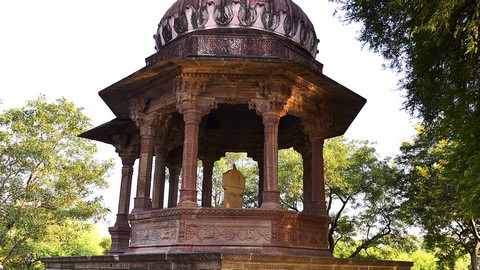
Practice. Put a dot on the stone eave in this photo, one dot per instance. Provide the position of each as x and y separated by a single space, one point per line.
116 96
107 131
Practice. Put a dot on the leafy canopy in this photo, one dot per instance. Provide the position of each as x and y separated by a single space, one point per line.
432 200
47 174
435 45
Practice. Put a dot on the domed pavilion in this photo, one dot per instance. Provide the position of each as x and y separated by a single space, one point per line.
228 76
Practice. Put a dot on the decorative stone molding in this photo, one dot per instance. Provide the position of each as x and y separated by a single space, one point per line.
220 229
188 91
320 125
125 149
272 99
281 17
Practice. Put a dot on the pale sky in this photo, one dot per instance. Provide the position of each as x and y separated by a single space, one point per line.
76 48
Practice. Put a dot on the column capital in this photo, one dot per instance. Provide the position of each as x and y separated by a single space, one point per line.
188 90
274 95
201 105
322 122
127 151
268 106
143 119
271 119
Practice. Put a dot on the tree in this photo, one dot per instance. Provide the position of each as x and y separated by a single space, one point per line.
435 45
290 179
432 199
362 200
410 249
47 174
69 238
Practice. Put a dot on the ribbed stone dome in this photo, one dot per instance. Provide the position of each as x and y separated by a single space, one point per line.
281 17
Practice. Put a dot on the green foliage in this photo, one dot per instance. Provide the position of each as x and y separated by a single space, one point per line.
105 245
47 174
435 45
362 198
407 250
432 194
290 179
70 238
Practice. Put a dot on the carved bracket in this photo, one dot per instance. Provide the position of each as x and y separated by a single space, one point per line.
273 97
125 148
188 91
323 121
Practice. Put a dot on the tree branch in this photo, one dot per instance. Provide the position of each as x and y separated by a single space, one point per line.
474 228
11 253
369 242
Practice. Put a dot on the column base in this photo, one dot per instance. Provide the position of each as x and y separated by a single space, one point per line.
271 200
188 198
318 208
141 204
120 239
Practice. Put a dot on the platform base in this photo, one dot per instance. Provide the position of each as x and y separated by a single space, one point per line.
210 261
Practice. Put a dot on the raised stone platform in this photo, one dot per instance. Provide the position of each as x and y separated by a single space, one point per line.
220 230
212 261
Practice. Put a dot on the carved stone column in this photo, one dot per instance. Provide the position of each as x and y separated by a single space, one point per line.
161 151
188 191
271 195
316 128
120 232
159 177
207 182
147 123
261 172
173 186
193 108
307 176
318 203
271 108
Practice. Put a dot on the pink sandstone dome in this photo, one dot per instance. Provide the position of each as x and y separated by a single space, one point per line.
280 17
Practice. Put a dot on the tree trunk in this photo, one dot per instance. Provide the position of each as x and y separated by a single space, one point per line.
474 257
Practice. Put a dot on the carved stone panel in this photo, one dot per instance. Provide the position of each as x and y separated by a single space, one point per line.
231 233
155 233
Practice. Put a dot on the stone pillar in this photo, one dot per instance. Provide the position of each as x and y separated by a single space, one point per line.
307 177
271 108
261 171
147 123
207 182
120 232
318 204
173 186
188 191
192 107
159 178
142 199
271 195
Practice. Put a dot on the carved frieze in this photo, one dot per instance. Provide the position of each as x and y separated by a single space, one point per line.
159 233
237 232
300 236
